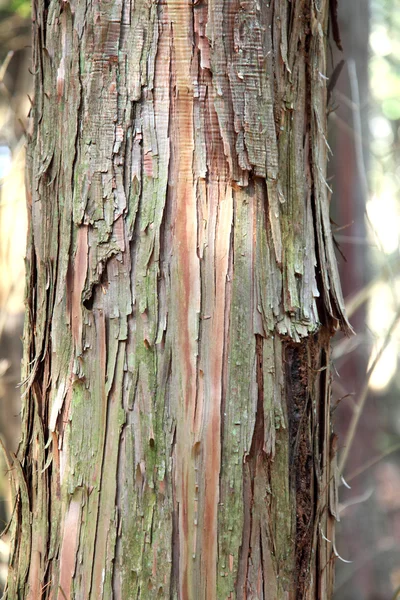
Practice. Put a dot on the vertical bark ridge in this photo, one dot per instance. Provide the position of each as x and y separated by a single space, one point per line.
185 288
182 290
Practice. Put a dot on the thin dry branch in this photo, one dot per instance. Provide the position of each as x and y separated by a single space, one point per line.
358 408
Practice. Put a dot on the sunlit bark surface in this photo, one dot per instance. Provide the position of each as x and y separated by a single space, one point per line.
182 291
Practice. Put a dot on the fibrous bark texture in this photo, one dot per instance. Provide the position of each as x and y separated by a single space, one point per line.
182 291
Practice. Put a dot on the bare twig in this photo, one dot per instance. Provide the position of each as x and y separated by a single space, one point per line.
356 500
373 462
358 408
6 62
359 298
358 146
396 594
370 555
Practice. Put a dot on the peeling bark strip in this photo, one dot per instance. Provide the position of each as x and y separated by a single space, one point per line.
182 291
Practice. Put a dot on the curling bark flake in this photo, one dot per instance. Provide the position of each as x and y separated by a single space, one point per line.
182 290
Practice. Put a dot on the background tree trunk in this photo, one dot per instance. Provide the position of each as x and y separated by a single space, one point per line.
357 531
182 291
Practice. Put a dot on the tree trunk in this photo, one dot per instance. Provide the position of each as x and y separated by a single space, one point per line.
182 292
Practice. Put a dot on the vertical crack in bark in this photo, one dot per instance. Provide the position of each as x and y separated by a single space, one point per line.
301 458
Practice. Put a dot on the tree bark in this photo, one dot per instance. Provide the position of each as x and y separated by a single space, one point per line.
182 291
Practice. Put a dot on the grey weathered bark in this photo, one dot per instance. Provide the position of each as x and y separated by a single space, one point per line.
182 292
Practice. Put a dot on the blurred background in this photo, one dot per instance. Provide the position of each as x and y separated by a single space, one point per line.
364 134
15 86
364 171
